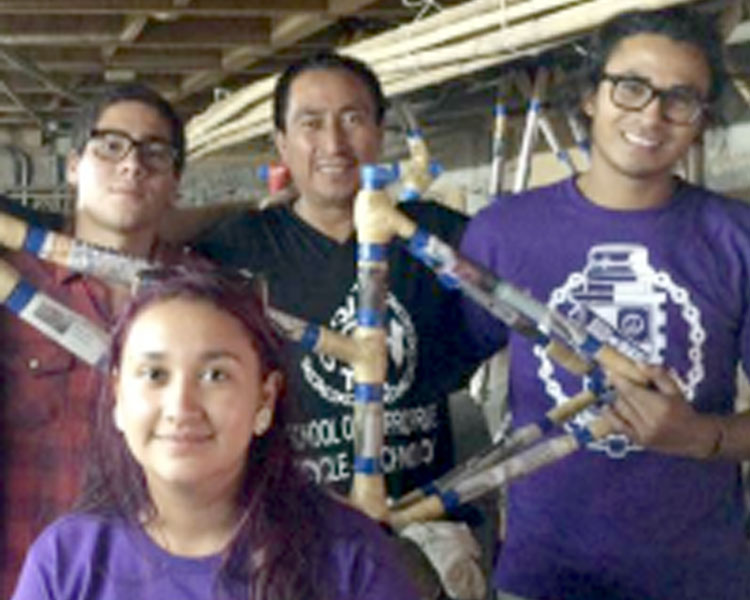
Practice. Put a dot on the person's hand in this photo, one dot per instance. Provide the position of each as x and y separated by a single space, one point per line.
658 417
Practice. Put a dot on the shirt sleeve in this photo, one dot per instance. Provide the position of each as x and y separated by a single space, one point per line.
33 582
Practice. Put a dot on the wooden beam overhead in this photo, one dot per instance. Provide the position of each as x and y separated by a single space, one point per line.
211 33
209 8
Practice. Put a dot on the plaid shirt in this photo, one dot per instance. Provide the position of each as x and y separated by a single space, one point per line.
46 405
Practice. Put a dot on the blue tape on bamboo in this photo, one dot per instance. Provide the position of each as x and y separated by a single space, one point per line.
20 296
34 240
310 337
591 345
597 382
372 252
366 465
417 246
374 177
451 500
583 436
368 317
365 393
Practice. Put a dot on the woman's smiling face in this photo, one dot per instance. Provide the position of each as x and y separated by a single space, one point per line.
188 389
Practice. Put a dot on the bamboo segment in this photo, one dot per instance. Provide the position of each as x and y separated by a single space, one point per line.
314 337
520 438
530 130
72 331
498 476
497 170
69 252
368 491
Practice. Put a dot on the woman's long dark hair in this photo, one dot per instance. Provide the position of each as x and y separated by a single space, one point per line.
277 552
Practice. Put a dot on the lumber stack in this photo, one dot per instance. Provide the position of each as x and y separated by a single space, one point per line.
455 42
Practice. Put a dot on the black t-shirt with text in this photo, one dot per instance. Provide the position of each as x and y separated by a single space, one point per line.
314 277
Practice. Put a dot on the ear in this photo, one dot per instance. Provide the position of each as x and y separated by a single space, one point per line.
587 103
270 390
71 167
279 139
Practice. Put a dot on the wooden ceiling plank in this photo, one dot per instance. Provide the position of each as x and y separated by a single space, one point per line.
134 25
286 32
207 32
224 8
18 101
34 71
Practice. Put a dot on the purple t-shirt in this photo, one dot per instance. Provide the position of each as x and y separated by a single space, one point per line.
616 521
91 557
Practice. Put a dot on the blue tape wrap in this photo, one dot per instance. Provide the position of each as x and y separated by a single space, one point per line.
310 337
34 240
364 393
367 317
368 466
450 500
417 247
596 382
374 177
20 296
372 252
591 345
583 435
409 194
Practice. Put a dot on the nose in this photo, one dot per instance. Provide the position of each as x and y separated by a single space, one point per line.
181 400
335 138
132 163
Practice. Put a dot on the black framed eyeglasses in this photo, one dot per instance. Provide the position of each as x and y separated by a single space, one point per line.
681 105
112 146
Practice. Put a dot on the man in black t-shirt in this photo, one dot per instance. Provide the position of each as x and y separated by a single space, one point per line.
328 116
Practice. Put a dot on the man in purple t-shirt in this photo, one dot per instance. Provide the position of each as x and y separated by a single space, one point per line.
654 510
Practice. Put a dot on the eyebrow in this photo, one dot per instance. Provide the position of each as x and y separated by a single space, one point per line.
315 112
208 355
679 86
148 138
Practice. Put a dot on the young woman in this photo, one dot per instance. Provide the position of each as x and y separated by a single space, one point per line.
193 492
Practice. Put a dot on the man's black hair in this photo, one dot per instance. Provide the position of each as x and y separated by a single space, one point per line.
679 24
326 60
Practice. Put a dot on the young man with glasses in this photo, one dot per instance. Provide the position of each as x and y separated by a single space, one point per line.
127 157
654 510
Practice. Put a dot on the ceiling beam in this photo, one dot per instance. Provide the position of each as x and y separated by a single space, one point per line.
223 8
18 101
210 33
35 72
286 32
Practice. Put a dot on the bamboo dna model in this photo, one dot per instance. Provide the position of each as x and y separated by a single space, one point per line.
579 347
